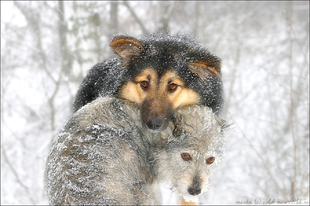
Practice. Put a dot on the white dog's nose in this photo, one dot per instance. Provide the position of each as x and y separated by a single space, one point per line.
194 191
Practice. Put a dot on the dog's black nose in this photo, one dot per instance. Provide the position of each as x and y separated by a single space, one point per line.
154 123
194 191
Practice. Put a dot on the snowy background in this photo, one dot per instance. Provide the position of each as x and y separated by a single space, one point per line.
48 47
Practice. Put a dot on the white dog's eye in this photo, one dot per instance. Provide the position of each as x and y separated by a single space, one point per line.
186 156
210 160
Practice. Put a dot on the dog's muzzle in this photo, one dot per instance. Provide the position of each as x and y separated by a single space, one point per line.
195 188
194 191
154 123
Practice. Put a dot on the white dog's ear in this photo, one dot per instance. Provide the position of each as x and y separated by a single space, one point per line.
178 122
225 126
219 120
128 48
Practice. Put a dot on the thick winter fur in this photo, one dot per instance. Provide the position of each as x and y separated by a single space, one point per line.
100 158
104 155
160 73
202 139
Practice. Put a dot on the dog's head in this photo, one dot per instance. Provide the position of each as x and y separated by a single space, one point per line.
163 73
187 161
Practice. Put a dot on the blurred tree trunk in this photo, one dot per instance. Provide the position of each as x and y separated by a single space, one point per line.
95 20
62 31
113 24
166 9
237 43
196 18
291 115
138 20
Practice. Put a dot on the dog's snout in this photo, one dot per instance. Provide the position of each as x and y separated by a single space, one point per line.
154 123
195 188
194 191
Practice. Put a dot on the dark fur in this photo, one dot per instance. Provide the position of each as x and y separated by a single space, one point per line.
162 53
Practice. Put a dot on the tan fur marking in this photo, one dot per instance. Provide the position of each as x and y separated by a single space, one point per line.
133 92
184 202
130 91
171 75
178 81
143 76
184 97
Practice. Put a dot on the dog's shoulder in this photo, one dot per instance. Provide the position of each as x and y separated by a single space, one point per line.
102 79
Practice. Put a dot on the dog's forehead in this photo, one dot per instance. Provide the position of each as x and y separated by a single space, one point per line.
146 74
204 154
204 144
202 130
152 74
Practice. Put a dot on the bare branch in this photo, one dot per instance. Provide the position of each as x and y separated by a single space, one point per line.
166 11
133 13
16 175
33 21
292 122
263 162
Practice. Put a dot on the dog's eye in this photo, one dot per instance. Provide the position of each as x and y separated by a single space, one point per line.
210 160
186 156
144 84
172 87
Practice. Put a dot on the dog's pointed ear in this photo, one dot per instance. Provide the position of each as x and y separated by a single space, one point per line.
178 123
219 120
225 126
204 68
128 48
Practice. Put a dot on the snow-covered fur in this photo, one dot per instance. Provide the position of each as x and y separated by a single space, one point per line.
104 156
100 157
202 139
